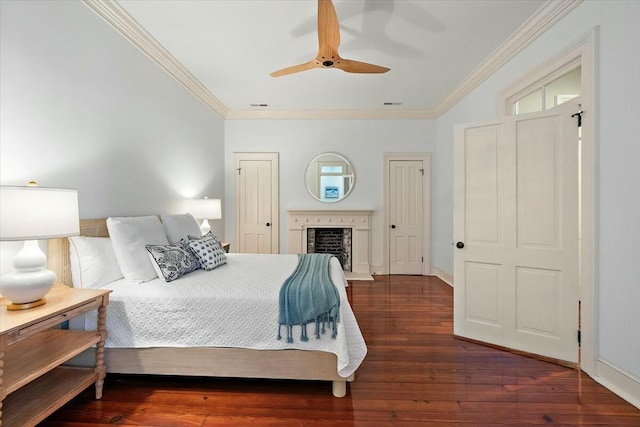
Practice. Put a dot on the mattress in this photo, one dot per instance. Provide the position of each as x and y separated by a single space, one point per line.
235 305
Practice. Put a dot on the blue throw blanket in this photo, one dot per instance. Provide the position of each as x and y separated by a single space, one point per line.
309 295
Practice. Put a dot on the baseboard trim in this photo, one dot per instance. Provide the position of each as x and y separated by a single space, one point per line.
619 382
442 275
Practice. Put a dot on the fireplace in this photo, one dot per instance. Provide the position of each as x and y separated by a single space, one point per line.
357 222
334 241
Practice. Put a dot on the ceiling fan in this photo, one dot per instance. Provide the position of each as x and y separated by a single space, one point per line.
329 41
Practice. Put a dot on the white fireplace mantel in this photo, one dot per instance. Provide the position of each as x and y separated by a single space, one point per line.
358 220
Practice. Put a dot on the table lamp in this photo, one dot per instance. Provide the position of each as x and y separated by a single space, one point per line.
206 209
28 214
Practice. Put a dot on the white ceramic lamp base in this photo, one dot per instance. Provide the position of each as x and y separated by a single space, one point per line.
205 227
31 281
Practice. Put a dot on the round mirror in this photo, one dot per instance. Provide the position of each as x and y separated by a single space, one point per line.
329 177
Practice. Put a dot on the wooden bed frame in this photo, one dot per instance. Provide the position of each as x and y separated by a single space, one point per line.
203 361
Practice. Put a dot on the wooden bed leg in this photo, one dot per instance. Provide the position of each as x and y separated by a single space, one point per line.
339 388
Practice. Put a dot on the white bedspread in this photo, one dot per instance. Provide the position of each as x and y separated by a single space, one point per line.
235 305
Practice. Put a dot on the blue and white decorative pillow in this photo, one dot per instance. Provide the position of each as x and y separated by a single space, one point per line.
173 261
208 250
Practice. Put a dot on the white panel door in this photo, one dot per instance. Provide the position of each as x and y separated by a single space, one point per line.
516 231
406 180
257 202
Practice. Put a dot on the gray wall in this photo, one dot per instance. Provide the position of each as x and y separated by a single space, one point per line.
83 108
362 142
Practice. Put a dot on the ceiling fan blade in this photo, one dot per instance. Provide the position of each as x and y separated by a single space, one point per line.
351 66
328 29
296 68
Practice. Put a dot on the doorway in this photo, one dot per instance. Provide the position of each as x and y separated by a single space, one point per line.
516 225
580 54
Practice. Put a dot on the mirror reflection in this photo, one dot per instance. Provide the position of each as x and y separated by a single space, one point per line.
329 177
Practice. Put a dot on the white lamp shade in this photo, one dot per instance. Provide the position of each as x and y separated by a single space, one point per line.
206 208
33 213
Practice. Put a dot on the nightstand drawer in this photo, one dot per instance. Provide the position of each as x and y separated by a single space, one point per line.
51 321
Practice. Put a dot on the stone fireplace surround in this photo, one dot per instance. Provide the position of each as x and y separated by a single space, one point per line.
358 220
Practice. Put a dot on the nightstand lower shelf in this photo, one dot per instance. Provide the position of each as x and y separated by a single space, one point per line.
32 348
28 359
40 398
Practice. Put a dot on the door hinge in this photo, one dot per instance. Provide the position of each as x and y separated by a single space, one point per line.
421 259
579 337
239 169
421 171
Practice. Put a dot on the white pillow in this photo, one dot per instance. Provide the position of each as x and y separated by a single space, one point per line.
180 226
93 262
129 236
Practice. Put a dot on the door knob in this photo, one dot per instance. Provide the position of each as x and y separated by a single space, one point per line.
393 226
268 224
459 245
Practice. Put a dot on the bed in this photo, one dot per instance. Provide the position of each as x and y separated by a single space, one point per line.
250 354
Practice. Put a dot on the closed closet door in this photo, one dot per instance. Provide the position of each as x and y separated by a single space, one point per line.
405 235
256 198
408 207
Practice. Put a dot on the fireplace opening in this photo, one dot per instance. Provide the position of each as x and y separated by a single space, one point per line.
334 241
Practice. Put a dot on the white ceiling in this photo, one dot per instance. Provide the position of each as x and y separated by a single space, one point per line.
231 46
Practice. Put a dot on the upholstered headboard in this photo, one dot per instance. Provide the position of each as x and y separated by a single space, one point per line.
58 249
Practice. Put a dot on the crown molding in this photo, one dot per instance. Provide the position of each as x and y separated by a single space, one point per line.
329 114
544 18
119 19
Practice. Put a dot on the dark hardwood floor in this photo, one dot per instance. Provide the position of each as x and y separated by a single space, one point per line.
415 374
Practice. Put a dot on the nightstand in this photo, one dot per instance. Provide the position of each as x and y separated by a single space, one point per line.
33 384
226 246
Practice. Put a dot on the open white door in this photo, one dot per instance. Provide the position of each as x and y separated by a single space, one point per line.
257 203
516 232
